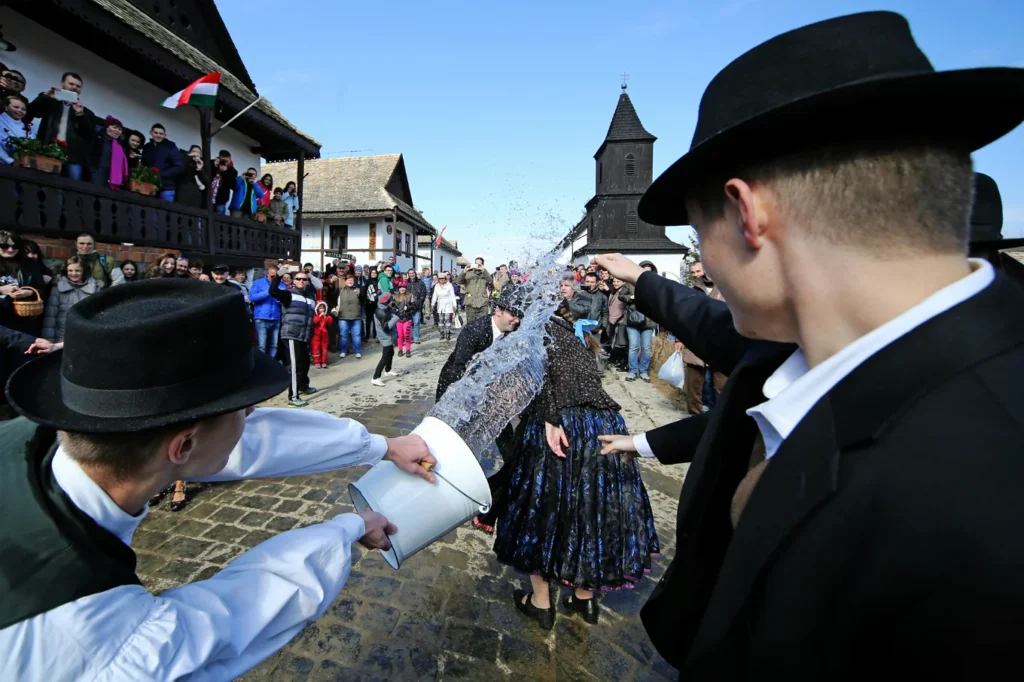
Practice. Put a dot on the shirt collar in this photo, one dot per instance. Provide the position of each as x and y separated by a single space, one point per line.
794 389
88 496
495 332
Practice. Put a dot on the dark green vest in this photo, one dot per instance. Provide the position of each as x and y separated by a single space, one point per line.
51 553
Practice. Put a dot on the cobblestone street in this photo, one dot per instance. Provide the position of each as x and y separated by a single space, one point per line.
448 613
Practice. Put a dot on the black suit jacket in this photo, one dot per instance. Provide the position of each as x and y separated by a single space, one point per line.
475 337
884 535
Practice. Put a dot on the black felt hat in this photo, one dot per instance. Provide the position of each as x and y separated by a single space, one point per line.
858 77
513 299
148 355
987 216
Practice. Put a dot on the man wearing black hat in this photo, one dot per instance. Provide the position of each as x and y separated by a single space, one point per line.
476 337
219 273
134 411
827 529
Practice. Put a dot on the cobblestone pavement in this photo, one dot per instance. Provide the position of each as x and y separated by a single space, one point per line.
448 613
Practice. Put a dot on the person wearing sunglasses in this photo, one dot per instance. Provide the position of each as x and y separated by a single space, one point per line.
298 304
247 193
13 81
19 274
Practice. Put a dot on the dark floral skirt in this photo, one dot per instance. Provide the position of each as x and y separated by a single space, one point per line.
584 520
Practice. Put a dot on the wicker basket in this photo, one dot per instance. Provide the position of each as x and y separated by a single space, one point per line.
29 308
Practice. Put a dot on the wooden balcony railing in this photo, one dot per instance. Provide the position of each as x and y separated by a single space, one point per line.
32 202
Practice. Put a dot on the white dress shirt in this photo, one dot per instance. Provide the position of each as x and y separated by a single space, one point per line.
213 629
793 389
496 333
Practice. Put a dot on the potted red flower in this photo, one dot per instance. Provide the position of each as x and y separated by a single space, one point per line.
29 152
144 180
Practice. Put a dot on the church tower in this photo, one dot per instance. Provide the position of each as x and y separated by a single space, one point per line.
624 169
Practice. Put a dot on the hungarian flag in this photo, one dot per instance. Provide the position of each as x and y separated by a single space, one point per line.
202 93
437 242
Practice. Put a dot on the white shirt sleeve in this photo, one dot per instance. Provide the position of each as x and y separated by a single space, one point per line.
214 629
643 448
284 442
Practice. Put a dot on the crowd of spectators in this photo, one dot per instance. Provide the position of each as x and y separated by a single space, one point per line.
105 152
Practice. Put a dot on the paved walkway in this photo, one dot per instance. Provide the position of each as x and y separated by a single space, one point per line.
448 613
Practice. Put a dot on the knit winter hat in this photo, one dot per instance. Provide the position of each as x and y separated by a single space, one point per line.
385 297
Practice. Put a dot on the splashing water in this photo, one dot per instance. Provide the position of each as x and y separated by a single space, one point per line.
504 379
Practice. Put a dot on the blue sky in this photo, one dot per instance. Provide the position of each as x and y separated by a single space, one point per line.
499 107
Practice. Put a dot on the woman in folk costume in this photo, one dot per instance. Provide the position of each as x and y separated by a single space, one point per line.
445 302
321 323
573 514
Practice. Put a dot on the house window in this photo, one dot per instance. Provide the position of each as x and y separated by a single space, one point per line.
339 238
408 244
630 164
600 172
398 241
631 223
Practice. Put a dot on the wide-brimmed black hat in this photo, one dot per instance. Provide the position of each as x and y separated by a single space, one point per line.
147 355
858 77
987 216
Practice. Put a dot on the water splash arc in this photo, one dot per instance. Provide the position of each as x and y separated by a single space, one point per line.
501 382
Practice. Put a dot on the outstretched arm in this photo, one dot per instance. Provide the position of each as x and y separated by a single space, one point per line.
282 442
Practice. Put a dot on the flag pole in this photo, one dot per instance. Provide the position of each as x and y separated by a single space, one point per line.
236 116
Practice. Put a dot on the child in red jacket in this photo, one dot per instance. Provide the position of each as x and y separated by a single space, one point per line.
321 322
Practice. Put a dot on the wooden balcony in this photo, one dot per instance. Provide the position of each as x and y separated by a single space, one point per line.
36 203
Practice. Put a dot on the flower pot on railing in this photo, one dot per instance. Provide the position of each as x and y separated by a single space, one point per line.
29 152
147 188
262 214
39 163
144 181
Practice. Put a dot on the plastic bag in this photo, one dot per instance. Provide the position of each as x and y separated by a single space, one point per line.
457 322
672 372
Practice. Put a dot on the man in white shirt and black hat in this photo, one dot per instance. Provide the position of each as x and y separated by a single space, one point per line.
133 410
853 508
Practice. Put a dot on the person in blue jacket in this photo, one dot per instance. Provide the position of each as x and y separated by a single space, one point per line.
266 311
247 191
163 155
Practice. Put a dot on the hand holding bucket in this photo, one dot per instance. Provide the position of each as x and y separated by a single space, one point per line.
424 511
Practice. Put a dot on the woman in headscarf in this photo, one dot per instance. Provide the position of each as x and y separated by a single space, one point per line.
573 515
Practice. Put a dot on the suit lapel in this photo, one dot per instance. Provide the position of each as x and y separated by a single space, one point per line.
797 480
803 474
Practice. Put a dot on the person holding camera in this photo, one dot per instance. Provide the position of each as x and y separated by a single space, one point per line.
247 192
476 283
225 180
63 117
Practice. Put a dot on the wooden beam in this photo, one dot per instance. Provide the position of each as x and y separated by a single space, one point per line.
300 170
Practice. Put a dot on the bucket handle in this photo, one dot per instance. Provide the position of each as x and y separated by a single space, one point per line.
484 508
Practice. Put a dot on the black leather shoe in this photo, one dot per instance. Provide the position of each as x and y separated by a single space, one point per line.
155 500
182 503
586 608
524 602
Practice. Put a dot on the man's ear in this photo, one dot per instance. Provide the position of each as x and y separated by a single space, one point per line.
751 218
182 445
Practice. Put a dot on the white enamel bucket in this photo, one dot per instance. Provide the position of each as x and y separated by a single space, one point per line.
425 512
